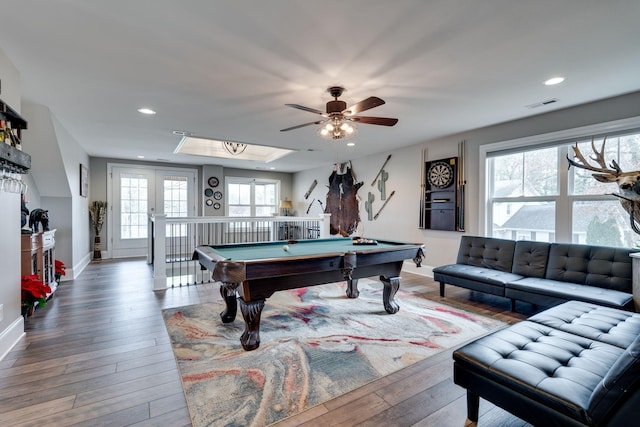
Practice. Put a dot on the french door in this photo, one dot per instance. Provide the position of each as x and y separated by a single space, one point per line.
137 191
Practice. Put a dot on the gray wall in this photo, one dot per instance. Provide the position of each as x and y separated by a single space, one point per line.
399 220
55 169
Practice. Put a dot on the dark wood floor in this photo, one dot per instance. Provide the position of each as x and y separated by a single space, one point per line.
98 355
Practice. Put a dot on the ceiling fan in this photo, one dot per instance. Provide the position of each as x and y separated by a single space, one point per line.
337 119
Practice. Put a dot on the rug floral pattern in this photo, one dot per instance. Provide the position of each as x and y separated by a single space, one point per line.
316 344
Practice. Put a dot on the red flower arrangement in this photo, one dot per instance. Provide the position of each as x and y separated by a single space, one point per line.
33 289
60 269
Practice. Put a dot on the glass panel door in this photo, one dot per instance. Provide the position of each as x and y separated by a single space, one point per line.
139 191
132 200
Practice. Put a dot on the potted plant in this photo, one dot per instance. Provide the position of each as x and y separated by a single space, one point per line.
98 214
60 270
34 291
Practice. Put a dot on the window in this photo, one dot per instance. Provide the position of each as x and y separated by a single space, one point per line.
252 197
133 206
533 195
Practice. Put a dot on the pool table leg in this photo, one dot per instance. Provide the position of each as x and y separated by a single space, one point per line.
352 288
391 286
228 294
250 338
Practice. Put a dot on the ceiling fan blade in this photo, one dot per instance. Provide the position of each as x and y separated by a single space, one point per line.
383 121
303 108
364 105
317 122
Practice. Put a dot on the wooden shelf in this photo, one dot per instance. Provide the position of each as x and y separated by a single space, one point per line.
12 159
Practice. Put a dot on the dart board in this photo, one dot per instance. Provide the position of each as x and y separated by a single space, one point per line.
443 196
440 174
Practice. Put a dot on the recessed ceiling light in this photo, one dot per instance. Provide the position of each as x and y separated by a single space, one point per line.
140 157
272 168
351 144
147 111
554 81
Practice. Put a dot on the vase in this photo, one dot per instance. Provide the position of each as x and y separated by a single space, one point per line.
97 248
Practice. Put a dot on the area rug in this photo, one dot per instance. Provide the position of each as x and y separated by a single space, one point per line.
316 344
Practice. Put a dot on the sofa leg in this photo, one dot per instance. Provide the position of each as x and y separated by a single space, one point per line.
513 305
441 289
473 405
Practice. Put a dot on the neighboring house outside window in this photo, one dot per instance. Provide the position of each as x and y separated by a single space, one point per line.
533 195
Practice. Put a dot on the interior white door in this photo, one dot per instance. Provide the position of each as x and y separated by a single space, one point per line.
140 191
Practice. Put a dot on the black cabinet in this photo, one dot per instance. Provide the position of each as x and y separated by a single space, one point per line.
441 207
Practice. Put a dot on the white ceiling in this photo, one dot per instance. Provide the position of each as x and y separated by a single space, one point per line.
225 69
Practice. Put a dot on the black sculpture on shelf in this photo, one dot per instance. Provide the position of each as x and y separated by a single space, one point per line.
24 212
37 217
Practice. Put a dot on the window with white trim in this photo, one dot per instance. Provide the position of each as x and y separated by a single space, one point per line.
248 197
533 195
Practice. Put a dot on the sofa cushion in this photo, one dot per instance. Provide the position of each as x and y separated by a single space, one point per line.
480 274
557 369
530 258
564 291
487 252
601 266
622 380
605 324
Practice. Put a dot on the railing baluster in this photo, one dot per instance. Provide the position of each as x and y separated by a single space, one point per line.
180 236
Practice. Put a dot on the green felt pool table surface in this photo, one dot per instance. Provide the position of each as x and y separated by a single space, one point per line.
304 248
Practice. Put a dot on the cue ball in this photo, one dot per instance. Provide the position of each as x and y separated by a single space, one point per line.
285 248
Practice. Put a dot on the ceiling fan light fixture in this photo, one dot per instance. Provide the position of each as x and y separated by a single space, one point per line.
338 121
338 128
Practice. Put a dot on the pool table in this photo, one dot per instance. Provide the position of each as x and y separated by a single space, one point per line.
252 272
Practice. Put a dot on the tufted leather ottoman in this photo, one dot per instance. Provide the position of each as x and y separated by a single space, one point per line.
575 364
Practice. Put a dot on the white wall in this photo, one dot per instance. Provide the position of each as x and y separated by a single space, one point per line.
11 321
399 219
55 158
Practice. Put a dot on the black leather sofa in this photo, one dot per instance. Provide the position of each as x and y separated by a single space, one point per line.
576 364
541 273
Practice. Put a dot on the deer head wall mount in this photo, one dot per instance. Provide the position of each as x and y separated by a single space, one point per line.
628 182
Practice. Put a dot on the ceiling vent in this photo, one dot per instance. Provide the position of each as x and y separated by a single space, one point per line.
543 103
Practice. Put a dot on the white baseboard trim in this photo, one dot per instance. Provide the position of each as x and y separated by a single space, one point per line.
10 336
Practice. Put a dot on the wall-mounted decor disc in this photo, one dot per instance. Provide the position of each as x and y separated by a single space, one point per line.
213 181
208 192
216 205
209 202
217 195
